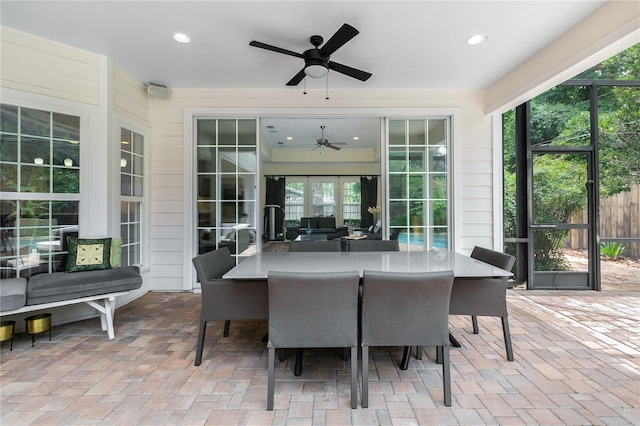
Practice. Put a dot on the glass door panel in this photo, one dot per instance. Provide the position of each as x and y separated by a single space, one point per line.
560 189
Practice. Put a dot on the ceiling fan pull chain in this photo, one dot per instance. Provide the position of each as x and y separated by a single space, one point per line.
304 86
327 86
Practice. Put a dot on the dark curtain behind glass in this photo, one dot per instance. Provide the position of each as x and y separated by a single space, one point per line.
369 198
275 196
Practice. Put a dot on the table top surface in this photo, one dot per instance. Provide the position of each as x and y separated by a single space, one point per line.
258 266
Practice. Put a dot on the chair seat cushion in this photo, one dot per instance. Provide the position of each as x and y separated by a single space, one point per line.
46 288
13 294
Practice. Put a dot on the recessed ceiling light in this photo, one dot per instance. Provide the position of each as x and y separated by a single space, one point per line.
477 39
356 138
182 38
289 138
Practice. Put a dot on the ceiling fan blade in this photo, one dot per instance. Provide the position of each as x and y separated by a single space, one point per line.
351 72
337 148
345 33
275 49
297 78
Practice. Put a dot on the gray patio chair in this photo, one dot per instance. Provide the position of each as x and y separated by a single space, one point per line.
373 245
485 297
400 309
226 300
310 246
313 310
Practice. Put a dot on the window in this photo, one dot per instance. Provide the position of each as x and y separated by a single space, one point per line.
39 188
226 182
351 196
294 202
418 184
323 201
131 194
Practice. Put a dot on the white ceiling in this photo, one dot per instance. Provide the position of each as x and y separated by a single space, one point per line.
404 44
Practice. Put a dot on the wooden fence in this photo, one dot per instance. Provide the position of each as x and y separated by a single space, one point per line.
619 218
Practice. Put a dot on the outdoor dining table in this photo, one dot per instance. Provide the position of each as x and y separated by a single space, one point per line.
258 265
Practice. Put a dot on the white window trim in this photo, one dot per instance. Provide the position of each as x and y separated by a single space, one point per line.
119 122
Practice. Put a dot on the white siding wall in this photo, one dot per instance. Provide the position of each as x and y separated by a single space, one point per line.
171 180
36 65
38 73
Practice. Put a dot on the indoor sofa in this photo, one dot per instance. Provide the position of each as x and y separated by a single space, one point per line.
317 226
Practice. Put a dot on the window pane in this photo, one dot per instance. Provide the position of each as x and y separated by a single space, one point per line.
438 159
206 130
66 181
227 160
294 202
226 132
206 213
8 178
323 199
34 179
397 160
247 132
9 148
397 132
66 154
32 149
66 127
437 132
207 187
8 118
247 160
351 197
397 186
417 132
206 159
35 122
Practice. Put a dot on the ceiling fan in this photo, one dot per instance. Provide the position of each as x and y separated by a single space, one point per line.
324 142
316 60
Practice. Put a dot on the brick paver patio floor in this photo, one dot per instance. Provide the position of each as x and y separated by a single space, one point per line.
577 361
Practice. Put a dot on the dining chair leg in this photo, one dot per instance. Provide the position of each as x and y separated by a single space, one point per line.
474 322
404 364
507 337
271 377
446 374
282 355
201 332
439 354
297 371
354 377
225 333
365 376
454 342
418 352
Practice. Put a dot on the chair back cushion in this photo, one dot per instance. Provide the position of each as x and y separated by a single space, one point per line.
492 257
313 310
406 309
213 264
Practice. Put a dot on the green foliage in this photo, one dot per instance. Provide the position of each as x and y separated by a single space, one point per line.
612 250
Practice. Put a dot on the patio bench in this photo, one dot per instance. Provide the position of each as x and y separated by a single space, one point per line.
97 289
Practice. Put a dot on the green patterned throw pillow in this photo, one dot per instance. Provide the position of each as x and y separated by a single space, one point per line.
88 254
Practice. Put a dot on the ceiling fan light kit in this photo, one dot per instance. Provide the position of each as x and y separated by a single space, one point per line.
317 61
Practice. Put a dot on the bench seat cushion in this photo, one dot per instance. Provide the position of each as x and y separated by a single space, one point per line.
46 288
13 294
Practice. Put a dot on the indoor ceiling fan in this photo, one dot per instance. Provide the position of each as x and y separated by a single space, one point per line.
324 142
316 60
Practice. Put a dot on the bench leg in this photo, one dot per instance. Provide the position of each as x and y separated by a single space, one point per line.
106 314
